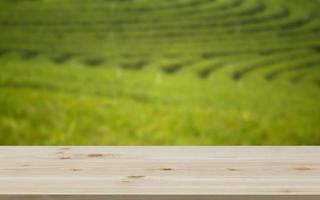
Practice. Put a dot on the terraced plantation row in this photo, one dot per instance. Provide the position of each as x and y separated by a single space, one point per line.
205 36
220 59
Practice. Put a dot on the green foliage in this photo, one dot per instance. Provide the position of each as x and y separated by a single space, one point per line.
169 72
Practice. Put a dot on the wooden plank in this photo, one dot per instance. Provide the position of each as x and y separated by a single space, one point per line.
158 173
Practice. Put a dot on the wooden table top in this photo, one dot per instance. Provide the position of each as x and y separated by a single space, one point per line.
160 172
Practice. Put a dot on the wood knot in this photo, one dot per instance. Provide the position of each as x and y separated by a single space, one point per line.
25 165
135 177
76 170
302 168
287 191
95 155
65 158
166 169
100 155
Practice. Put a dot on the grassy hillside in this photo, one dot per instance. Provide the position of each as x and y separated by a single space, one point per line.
159 72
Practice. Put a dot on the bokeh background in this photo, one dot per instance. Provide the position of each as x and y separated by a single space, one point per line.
159 72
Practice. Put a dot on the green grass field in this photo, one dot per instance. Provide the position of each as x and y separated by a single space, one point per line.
159 72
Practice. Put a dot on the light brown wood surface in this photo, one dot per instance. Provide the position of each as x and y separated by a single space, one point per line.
120 173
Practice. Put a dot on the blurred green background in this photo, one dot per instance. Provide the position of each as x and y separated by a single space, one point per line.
159 72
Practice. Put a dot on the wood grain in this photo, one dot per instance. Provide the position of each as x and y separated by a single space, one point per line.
121 173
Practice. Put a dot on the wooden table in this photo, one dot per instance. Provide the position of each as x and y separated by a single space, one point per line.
160 173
